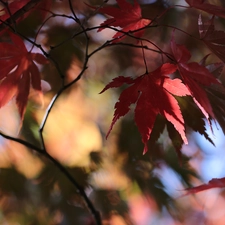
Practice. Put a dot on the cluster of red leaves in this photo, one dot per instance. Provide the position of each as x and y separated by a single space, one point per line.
18 72
148 91
152 93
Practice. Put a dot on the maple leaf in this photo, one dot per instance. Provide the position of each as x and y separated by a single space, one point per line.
195 77
213 39
214 68
193 117
214 183
18 71
209 8
153 95
127 16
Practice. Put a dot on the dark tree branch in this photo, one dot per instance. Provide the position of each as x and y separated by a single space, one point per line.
18 14
79 188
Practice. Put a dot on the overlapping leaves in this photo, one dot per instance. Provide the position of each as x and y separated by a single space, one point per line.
153 94
195 77
207 7
213 39
18 72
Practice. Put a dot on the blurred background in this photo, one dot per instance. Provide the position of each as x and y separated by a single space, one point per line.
125 186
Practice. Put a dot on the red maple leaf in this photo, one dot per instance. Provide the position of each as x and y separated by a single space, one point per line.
127 16
153 94
214 183
18 71
195 77
209 8
214 39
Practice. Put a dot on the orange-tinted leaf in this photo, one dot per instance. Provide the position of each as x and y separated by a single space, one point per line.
209 8
128 16
195 77
214 39
153 95
214 183
18 71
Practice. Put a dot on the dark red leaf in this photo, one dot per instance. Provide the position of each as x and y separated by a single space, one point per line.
209 8
195 77
214 39
18 71
128 16
117 82
193 117
153 95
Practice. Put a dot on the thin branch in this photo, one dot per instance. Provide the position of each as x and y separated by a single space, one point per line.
6 5
79 188
176 28
46 55
146 67
18 14
74 14
22 142
9 24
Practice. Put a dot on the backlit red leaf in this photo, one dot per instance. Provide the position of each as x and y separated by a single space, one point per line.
117 82
153 94
209 8
195 77
18 71
128 16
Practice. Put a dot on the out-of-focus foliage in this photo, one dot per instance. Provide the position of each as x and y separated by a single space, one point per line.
125 186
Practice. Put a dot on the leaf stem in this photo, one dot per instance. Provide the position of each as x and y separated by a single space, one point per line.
143 53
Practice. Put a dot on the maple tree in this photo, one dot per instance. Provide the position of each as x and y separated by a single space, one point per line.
167 75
